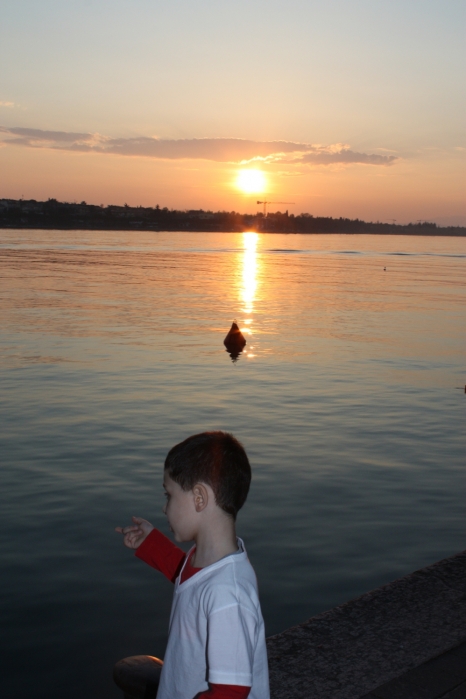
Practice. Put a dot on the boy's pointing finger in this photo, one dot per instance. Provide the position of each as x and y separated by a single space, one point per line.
126 530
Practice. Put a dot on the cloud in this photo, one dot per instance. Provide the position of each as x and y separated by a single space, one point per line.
7 104
347 156
224 150
43 139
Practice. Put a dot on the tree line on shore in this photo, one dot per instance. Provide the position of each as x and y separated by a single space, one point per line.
52 214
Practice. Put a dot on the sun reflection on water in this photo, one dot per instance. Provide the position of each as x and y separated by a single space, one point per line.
249 287
249 272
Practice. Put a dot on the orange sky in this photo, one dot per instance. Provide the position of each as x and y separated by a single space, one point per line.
346 110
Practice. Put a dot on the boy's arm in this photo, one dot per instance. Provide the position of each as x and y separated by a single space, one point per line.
160 553
153 547
224 691
232 638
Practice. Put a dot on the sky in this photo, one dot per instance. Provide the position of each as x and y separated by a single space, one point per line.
351 108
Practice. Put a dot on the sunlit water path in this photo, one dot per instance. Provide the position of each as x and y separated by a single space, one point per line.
349 398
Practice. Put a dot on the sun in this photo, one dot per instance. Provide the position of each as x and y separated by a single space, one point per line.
251 181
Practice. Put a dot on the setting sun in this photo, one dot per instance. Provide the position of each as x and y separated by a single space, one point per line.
251 181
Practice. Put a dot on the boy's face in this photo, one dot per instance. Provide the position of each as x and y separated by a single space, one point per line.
180 510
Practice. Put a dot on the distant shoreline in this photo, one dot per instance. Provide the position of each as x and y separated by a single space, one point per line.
55 215
438 234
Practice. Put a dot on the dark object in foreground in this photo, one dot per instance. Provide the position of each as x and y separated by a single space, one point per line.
352 650
443 677
234 341
138 676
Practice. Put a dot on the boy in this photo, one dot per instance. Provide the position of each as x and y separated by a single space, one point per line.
216 643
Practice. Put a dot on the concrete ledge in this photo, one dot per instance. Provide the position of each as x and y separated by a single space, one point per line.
352 649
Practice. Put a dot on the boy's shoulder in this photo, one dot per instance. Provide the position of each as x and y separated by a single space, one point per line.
234 569
229 582
236 566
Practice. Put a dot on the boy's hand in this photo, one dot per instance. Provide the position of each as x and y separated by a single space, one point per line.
134 534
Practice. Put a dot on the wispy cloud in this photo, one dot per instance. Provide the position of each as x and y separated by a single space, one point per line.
346 156
225 150
7 104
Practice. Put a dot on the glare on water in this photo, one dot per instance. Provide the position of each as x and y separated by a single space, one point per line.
249 272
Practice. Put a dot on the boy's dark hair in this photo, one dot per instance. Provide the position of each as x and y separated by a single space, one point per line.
215 458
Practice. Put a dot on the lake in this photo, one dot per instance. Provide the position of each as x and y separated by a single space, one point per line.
349 398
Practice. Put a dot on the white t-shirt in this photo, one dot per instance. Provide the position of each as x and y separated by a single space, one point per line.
216 632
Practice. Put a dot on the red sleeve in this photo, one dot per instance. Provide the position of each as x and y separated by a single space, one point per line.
159 552
224 691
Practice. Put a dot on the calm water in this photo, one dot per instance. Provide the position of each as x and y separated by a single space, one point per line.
346 399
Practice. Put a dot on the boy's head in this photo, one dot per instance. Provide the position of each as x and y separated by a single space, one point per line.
214 458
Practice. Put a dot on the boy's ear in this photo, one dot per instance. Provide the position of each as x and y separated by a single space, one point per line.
201 497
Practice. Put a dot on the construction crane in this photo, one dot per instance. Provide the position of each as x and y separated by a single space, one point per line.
272 202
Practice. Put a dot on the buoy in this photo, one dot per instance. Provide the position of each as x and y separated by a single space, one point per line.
235 337
234 341
138 676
